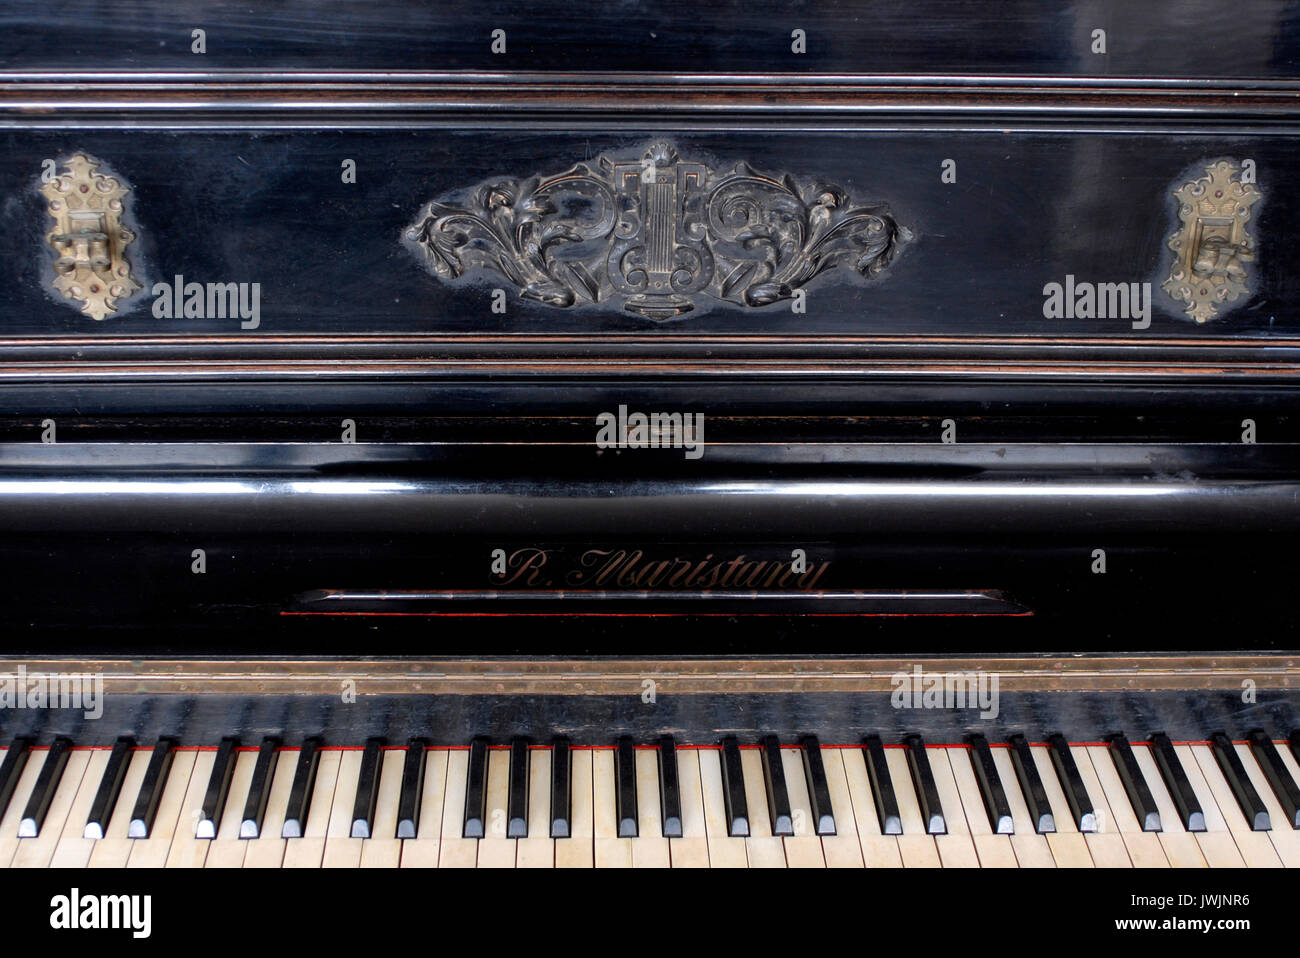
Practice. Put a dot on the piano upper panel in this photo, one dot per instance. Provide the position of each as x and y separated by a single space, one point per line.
1248 39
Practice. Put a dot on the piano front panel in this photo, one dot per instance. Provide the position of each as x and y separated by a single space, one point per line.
994 336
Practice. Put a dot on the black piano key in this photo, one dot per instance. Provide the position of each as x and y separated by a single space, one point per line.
1244 792
990 783
625 807
819 789
150 795
300 793
12 769
214 799
670 793
1293 740
560 795
517 790
259 789
733 789
476 790
363 807
1031 785
47 783
408 806
110 786
882 786
1135 785
778 796
1176 782
625 788
927 792
1278 776
1076 794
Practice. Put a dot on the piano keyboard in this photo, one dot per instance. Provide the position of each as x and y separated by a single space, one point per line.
980 803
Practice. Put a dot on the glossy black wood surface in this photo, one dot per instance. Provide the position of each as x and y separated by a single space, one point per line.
1167 38
1027 209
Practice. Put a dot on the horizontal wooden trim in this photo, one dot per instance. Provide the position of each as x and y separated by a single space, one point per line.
571 94
596 676
386 357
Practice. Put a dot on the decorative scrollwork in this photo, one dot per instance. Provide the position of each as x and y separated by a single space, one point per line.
655 233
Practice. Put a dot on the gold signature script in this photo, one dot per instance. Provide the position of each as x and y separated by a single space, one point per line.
634 569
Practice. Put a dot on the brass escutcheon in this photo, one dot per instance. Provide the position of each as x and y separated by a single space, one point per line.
1213 246
89 237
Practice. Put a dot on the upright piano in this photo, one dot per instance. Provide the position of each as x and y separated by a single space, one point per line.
725 434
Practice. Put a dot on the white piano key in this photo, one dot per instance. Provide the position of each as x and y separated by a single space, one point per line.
341 849
309 850
611 851
36 852
578 850
692 849
538 849
456 851
1067 844
1144 848
152 852
267 849
17 804
495 850
1183 849
649 848
187 850
1216 846
965 810
915 845
956 847
842 849
227 848
1255 847
804 848
1285 839
878 850
72 849
422 850
762 849
1106 843
724 851
1032 850
383 849
114 849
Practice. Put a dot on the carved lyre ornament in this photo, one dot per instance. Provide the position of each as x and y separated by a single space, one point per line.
1212 246
89 237
656 234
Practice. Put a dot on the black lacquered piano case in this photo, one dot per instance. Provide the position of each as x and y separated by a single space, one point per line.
515 364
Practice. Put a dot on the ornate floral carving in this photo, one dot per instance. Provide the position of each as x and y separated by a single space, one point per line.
656 233
1212 246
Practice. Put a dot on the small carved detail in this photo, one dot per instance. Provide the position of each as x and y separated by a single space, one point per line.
89 237
655 233
1213 245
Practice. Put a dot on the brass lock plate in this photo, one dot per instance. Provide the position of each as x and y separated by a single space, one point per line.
89 237
1212 246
